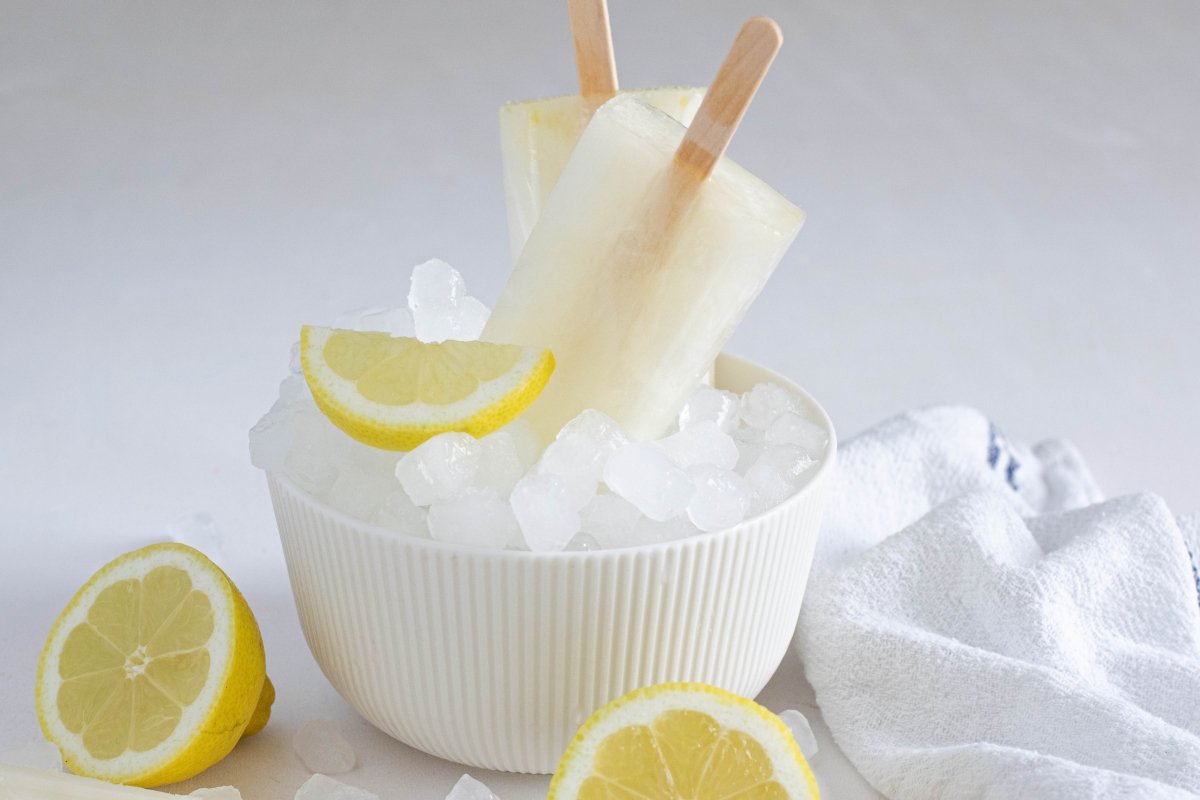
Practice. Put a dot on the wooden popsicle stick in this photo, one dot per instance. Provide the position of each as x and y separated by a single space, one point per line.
593 50
729 96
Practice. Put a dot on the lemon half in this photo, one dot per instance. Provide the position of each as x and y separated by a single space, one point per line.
683 741
396 392
153 671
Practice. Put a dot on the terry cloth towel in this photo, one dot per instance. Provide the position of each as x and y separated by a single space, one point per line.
978 625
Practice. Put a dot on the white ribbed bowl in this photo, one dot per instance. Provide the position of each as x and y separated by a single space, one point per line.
493 658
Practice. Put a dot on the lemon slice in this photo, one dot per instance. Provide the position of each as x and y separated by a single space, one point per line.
683 741
396 392
153 671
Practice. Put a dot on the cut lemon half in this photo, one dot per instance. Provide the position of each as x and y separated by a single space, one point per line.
683 741
153 671
396 392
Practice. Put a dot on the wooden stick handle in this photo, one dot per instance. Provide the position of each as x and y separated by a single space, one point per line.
729 96
593 50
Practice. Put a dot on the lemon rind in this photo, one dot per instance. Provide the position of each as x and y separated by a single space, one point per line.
490 407
643 706
204 733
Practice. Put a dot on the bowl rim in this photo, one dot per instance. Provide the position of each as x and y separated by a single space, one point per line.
378 532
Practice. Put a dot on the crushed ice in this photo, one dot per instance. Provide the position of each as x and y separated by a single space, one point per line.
468 788
322 748
592 488
801 731
322 787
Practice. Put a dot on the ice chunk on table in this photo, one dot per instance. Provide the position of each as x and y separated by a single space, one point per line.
801 731
468 788
322 748
643 474
636 274
537 138
218 793
322 787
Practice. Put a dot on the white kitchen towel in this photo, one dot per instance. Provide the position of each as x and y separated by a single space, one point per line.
991 644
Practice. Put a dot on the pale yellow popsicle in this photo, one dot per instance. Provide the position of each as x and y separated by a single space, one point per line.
538 136
634 281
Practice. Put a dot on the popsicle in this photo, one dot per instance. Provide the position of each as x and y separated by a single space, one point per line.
647 254
537 136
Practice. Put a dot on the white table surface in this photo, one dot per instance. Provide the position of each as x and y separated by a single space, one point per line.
1004 210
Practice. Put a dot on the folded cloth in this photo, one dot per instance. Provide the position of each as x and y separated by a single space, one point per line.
998 645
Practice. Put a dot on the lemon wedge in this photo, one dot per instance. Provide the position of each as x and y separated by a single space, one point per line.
683 741
153 671
395 392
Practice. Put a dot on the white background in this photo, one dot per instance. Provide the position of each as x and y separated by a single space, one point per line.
1004 210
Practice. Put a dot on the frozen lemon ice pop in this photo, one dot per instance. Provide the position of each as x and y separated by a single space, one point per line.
647 254
537 136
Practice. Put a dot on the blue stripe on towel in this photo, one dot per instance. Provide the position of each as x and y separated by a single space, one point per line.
995 449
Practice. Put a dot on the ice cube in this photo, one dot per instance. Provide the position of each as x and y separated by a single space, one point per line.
310 470
475 517
468 788
500 461
582 542
439 467
295 366
435 296
199 531
748 452
271 440
611 520
292 390
701 443
582 447
777 474
436 322
528 444
763 404
352 320
435 281
218 793
650 531
712 405
791 428
322 787
472 316
399 513
643 474
359 491
721 499
547 510
322 747
37 755
801 731
392 321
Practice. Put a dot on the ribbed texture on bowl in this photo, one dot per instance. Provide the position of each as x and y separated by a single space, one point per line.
493 659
